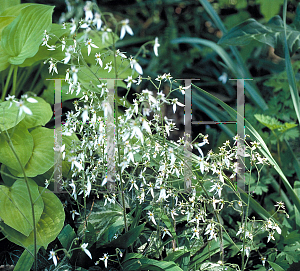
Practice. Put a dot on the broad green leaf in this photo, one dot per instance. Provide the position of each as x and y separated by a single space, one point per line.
8 3
21 39
14 10
275 266
128 238
108 227
4 21
43 52
48 227
66 236
42 158
15 206
272 34
41 113
3 59
270 8
26 260
9 115
22 142
6 176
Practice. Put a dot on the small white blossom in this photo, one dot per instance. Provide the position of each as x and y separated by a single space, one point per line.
84 248
89 45
125 28
155 47
53 257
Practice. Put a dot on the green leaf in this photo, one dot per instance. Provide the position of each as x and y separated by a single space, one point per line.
26 260
149 264
66 236
41 113
271 34
15 206
9 115
4 21
42 158
128 238
270 122
48 226
43 52
9 3
21 39
22 141
270 8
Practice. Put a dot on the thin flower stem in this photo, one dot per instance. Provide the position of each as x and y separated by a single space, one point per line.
30 198
11 68
14 87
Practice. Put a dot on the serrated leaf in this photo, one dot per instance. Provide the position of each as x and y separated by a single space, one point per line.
42 158
271 34
22 141
268 121
15 206
21 38
48 227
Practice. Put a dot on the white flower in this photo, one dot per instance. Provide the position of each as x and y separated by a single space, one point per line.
166 231
97 21
108 66
74 212
155 47
84 248
223 78
151 217
89 44
106 30
183 89
74 71
88 10
98 59
195 233
23 108
85 114
11 99
52 256
125 28
74 189
52 67
121 54
135 65
271 236
104 258
129 81
73 26
175 102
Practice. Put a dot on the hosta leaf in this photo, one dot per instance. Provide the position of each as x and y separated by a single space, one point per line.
4 21
271 34
21 38
9 3
23 144
15 206
48 227
9 115
41 113
42 158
